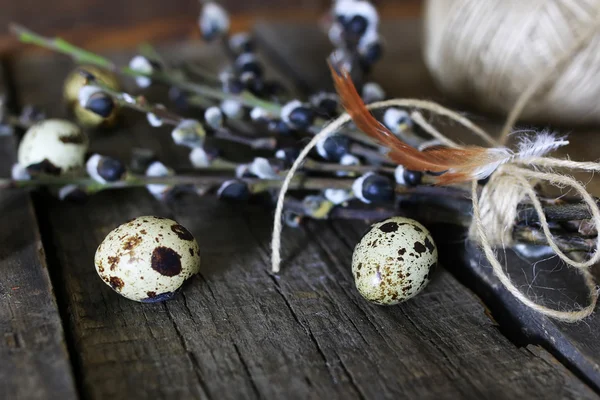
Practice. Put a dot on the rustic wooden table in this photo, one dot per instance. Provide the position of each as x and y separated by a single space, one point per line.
238 332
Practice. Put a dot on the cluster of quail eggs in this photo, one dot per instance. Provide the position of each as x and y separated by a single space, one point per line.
57 146
394 261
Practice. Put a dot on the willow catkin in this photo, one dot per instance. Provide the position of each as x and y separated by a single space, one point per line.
485 52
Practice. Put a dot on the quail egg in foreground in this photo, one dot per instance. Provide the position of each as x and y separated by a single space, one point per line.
54 147
148 258
394 261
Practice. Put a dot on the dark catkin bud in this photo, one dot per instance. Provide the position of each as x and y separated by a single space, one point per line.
214 21
241 43
291 219
334 147
371 53
372 188
248 63
357 18
105 169
288 155
328 108
302 117
357 25
412 178
255 85
297 115
279 127
234 190
179 98
326 104
72 193
101 104
342 20
112 170
370 48
93 99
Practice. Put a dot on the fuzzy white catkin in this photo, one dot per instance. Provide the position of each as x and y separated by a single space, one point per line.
488 52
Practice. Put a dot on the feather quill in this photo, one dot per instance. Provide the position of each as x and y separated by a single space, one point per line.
451 165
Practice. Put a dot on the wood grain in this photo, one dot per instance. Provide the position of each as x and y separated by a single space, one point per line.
238 332
403 74
35 363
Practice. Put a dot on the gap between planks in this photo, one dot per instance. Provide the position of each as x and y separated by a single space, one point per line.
35 359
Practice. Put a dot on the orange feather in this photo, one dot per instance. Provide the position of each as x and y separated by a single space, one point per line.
453 165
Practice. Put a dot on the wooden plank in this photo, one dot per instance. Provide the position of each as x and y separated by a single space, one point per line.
35 363
108 24
238 332
129 350
403 74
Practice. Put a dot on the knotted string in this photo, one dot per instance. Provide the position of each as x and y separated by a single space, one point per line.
335 126
508 186
495 210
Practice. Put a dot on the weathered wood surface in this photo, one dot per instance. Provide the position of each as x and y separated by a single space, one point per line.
238 332
403 74
35 363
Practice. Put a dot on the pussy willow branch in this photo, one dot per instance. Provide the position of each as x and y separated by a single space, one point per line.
140 104
212 176
82 56
255 184
313 165
562 212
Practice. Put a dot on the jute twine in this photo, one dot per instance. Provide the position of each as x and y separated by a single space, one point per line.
494 212
486 51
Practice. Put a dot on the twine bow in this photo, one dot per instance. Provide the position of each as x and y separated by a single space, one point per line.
494 213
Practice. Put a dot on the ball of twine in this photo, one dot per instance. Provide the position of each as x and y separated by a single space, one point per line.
485 52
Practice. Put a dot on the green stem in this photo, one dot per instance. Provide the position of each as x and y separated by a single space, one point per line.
86 57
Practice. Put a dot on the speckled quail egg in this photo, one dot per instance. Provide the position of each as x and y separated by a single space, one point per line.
73 84
148 258
53 146
394 261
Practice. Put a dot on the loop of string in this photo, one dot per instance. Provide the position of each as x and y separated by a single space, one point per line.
508 186
335 126
496 209
567 316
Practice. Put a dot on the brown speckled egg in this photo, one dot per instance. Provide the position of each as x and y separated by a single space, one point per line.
393 261
148 258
